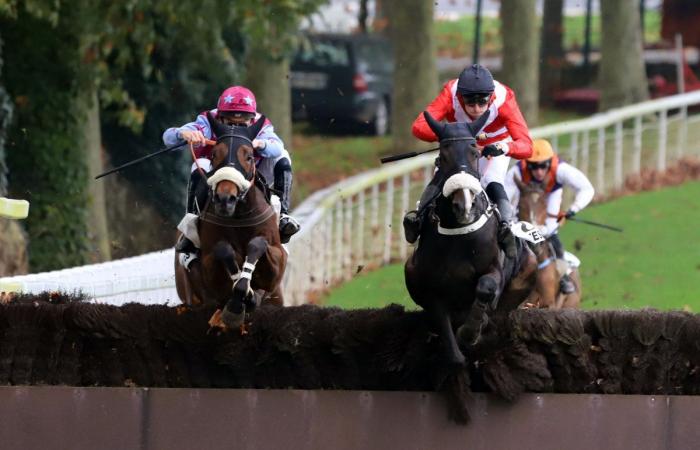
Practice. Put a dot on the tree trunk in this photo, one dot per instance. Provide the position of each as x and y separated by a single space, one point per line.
97 214
551 49
520 54
415 73
622 76
5 118
268 78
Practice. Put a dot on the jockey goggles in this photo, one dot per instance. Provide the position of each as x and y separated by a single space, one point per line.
538 165
476 99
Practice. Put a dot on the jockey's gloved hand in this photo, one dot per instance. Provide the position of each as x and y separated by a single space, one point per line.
569 214
497 149
259 144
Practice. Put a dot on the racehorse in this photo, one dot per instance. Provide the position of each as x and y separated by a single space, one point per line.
457 263
532 207
241 259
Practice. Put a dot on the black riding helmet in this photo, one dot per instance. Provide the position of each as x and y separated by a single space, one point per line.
475 79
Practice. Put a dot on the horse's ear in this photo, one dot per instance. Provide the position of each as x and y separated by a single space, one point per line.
434 125
217 127
518 182
478 124
254 129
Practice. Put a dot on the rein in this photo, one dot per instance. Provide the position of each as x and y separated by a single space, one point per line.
235 222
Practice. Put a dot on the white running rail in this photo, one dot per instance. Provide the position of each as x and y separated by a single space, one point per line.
356 224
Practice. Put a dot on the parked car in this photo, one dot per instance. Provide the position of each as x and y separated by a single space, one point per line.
343 78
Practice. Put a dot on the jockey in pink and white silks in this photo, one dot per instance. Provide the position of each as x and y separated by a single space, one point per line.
236 106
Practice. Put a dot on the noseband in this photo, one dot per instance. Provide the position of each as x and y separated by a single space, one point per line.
231 176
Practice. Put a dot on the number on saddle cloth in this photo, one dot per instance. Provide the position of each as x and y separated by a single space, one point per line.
527 231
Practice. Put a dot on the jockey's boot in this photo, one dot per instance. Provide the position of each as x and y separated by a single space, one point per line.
195 197
413 220
506 239
566 285
283 185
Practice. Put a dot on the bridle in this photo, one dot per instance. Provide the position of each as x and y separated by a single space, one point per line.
462 167
229 160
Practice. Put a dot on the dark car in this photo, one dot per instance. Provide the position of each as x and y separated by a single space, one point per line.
343 79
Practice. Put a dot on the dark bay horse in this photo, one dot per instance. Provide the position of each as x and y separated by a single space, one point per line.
242 260
457 272
532 206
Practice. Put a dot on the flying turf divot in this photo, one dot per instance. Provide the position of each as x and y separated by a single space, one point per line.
14 209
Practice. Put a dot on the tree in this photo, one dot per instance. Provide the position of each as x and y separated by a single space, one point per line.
91 46
551 49
415 74
520 54
271 28
621 76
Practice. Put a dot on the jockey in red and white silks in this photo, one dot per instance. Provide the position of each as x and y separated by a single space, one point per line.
505 125
465 99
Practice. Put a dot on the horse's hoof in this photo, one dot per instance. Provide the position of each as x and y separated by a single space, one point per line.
470 332
231 319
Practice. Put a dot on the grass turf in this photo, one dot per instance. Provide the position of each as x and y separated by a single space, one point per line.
654 263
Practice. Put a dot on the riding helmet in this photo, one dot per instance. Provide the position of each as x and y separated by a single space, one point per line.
475 79
541 151
237 98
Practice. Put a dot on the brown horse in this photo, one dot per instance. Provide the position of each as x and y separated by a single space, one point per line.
532 207
241 259
457 272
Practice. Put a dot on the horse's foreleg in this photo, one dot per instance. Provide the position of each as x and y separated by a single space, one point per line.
444 324
488 290
243 295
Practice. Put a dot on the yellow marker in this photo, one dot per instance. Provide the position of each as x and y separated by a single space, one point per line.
10 286
14 209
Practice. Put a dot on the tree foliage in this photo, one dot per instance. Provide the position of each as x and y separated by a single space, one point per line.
153 65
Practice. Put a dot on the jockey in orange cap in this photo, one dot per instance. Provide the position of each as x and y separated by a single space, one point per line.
236 106
465 99
545 166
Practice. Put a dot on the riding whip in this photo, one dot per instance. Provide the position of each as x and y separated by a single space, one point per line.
391 158
143 158
596 224
386 159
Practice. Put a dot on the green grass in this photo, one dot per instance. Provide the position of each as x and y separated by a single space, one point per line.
655 262
456 38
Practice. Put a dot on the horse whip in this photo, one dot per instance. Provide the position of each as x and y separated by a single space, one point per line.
143 158
480 136
596 224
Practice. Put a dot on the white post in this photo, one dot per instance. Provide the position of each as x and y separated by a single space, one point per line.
618 155
637 146
585 152
574 149
388 216
554 140
682 131
427 174
663 131
600 163
360 252
374 224
405 188
338 269
327 272
347 240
